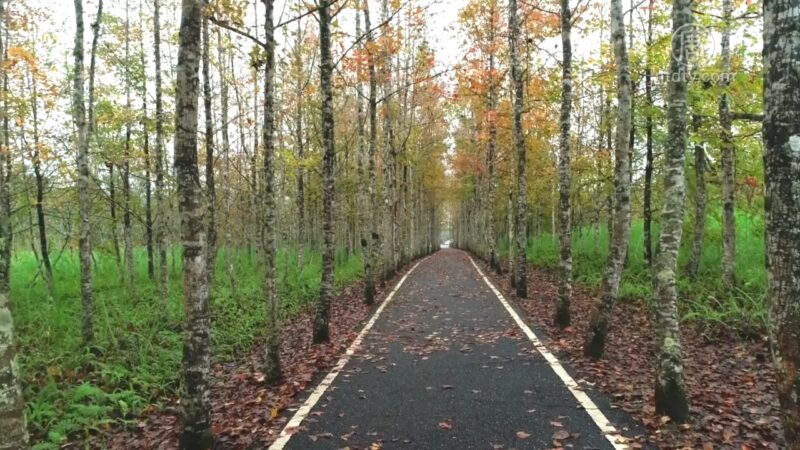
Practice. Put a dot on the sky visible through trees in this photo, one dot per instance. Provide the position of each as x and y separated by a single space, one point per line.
198 192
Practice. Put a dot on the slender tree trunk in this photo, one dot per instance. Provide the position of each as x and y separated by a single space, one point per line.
670 396
211 188
620 234
162 212
84 196
226 151
520 149
112 206
272 360
321 332
148 183
196 389
782 167
562 317
39 176
363 182
491 149
728 158
699 204
126 165
648 165
298 129
511 235
14 434
375 219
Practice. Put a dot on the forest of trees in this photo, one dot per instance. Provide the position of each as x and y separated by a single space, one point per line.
180 179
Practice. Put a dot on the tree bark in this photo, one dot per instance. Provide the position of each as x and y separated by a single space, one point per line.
211 187
272 360
299 142
620 233
13 427
82 142
226 151
699 204
562 317
40 182
670 390
195 396
728 158
491 149
127 224
648 165
148 182
162 212
519 146
373 259
782 172
321 332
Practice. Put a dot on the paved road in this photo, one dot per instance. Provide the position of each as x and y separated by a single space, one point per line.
445 366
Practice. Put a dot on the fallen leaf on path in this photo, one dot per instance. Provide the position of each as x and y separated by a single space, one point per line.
523 435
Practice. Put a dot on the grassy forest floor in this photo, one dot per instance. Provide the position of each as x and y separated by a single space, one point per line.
73 393
704 300
728 366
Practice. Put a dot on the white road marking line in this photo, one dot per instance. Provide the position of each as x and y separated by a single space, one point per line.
609 431
300 415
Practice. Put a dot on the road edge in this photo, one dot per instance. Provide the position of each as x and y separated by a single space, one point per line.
617 440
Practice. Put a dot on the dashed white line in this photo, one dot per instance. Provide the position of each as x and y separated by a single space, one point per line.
608 430
312 399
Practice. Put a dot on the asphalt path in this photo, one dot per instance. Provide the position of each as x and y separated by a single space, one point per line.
446 365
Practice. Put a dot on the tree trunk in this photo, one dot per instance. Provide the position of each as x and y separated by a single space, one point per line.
321 332
226 151
82 142
162 212
562 317
699 204
12 404
520 149
272 360
648 165
620 233
373 259
491 149
39 176
148 188
728 158
211 188
782 170
126 166
298 127
670 395
196 389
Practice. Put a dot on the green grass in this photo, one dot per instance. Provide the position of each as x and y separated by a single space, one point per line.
704 300
72 392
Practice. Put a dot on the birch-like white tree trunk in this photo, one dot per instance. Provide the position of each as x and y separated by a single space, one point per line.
162 276
321 332
272 360
84 196
728 157
372 261
562 317
782 172
620 232
670 390
195 380
518 87
13 429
